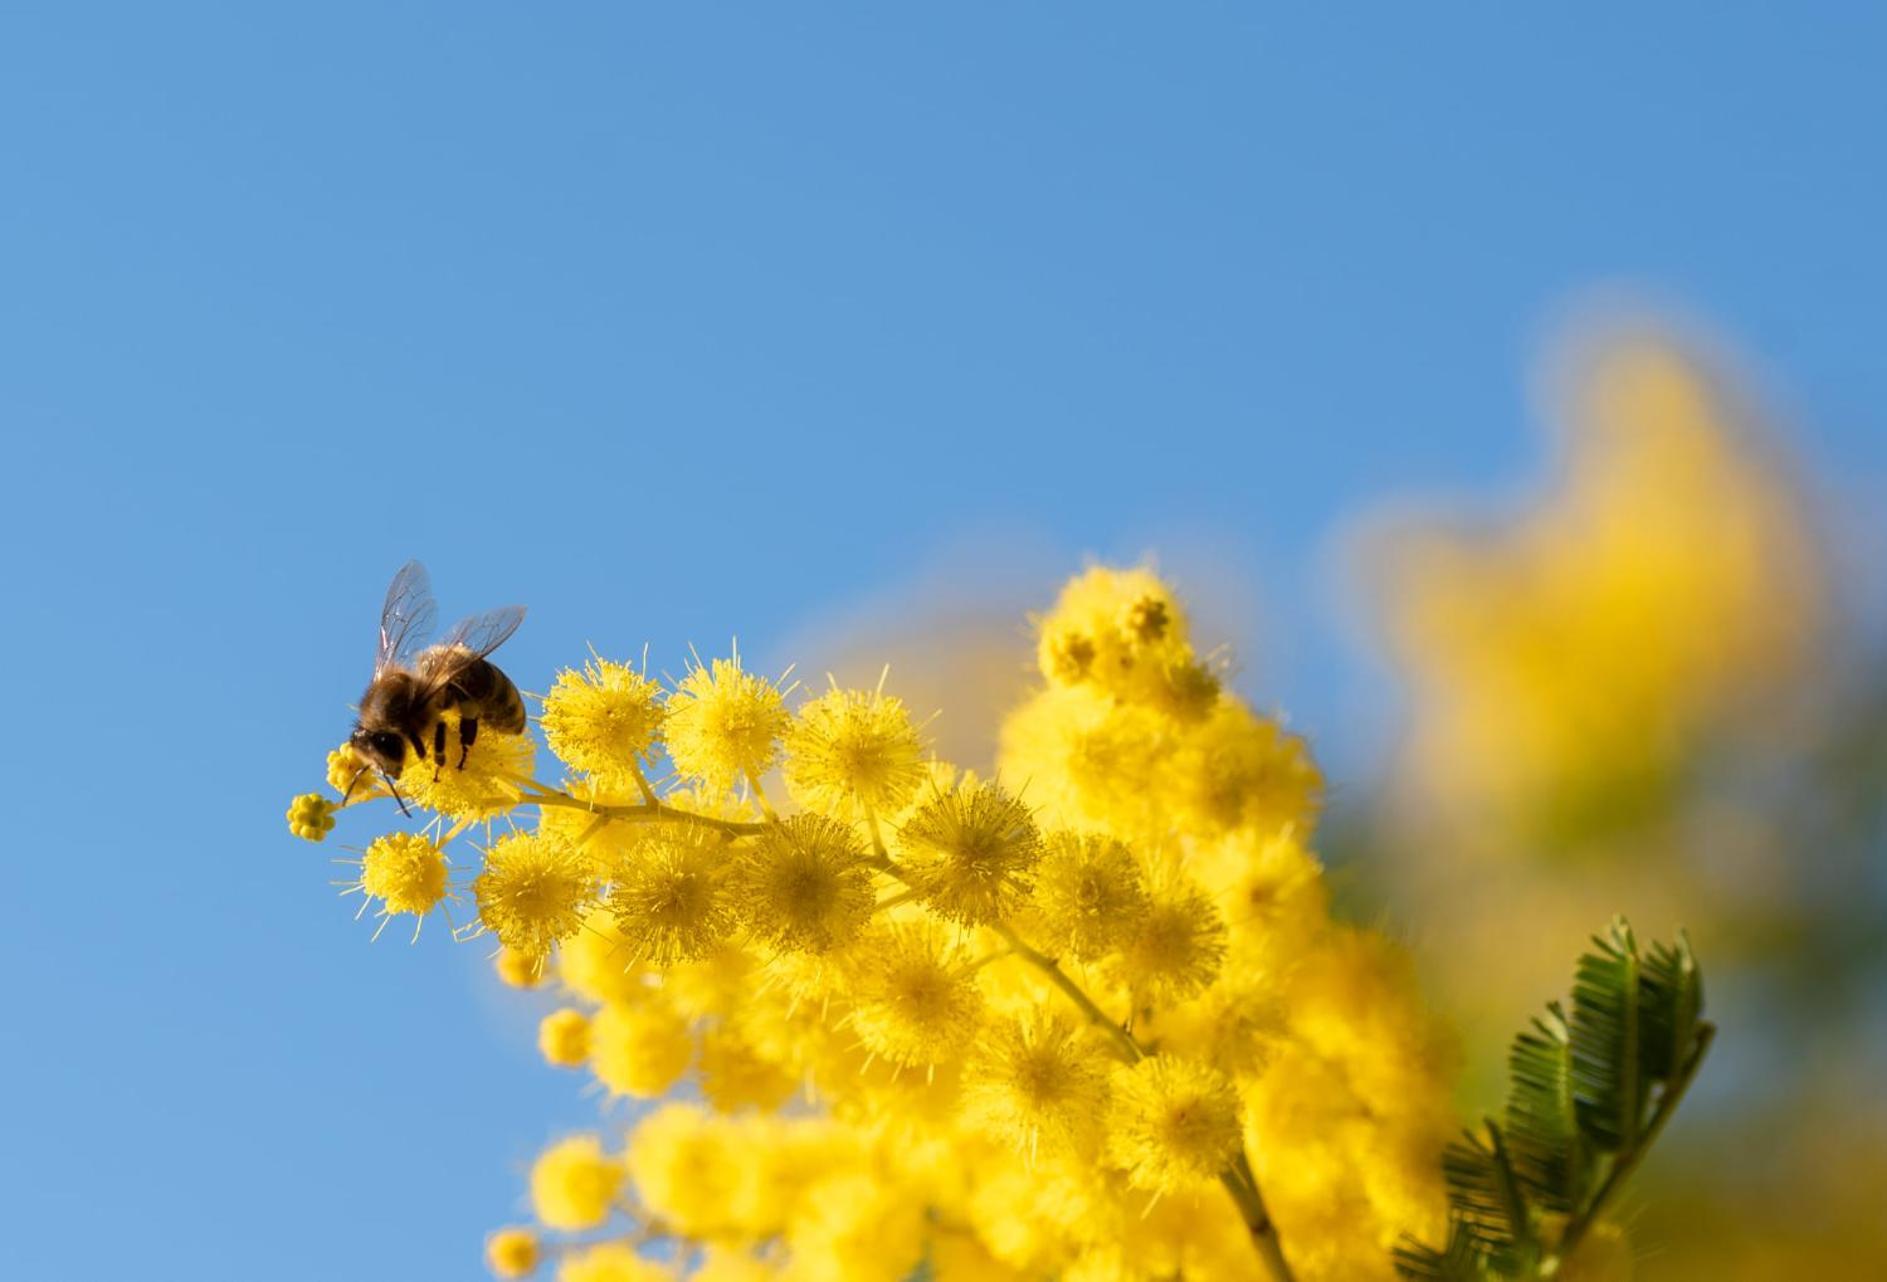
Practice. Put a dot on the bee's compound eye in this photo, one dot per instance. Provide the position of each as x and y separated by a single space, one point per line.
388 744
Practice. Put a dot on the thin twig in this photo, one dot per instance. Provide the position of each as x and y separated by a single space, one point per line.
1239 1179
645 812
1129 1046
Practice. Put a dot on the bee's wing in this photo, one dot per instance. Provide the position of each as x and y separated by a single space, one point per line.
470 640
483 633
407 618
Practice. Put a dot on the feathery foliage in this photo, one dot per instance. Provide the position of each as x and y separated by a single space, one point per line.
1587 1096
1542 1129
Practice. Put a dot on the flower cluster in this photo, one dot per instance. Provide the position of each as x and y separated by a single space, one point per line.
1087 1018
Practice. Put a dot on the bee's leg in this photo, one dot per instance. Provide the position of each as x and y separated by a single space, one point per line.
468 735
438 747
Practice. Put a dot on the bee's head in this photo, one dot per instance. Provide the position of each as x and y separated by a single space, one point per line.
385 748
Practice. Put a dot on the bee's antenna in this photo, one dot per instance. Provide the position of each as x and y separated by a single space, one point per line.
353 784
394 789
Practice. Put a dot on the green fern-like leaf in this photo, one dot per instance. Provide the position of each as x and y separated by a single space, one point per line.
1672 996
1485 1198
1542 1128
1608 1084
1459 1262
1588 1094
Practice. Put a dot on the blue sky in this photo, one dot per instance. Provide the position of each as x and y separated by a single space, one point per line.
675 322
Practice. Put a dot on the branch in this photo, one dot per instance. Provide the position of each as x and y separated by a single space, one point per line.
645 812
1239 1179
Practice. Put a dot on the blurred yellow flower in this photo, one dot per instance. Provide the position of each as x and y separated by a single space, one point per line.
640 1049
856 1227
598 964
686 1164
1566 667
611 1262
511 1253
563 1038
573 1184
520 970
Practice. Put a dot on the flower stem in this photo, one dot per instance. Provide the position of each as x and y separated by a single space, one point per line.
642 782
759 795
1242 1183
1129 1046
1238 1179
645 812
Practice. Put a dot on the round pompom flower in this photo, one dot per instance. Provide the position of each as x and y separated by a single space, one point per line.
573 1183
859 1227
1038 1079
1087 895
511 1253
519 970
534 891
639 1050
311 816
670 901
406 872
602 720
916 998
732 1264
735 1075
1088 760
968 853
687 1165
803 885
724 724
1238 769
1186 689
597 963
781 1161
486 784
854 749
1117 629
1174 1123
611 1262
1175 947
1272 892
563 1037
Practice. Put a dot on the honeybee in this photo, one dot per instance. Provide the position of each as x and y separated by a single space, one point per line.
415 684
